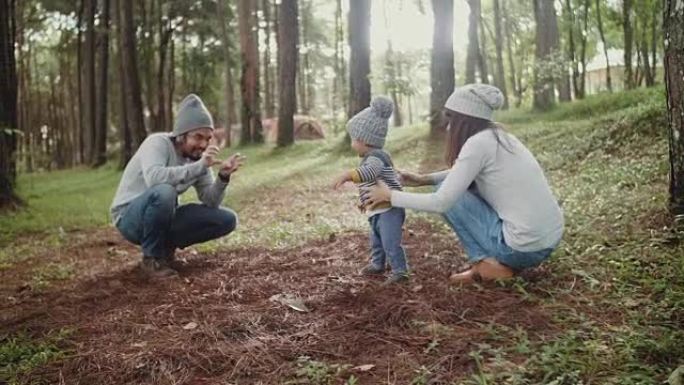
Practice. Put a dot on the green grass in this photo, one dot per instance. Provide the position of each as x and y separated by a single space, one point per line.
618 275
21 353
61 200
593 107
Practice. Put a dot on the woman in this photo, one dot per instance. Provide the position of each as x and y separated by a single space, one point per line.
495 196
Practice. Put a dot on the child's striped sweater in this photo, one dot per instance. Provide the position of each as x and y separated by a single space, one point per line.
375 165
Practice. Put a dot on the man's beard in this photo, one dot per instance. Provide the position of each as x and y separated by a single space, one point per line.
195 155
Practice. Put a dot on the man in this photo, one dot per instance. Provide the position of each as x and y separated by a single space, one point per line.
145 209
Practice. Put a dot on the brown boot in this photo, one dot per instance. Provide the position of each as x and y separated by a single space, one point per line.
157 268
489 269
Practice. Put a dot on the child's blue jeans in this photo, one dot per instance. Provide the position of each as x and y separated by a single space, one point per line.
480 230
153 221
385 239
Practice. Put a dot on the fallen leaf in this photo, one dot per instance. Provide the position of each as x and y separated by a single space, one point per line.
290 301
190 326
677 377
364 368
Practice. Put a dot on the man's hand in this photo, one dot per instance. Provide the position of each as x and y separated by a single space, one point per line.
231 164
342 179
209 156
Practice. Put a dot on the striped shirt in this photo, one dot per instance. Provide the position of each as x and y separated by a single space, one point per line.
375 165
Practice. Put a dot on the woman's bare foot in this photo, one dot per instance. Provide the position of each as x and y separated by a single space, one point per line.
467 276
490 269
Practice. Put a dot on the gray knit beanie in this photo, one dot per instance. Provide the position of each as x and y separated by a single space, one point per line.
478 100
192 114
370 125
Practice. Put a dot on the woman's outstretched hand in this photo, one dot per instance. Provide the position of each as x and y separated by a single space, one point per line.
377 194
410 179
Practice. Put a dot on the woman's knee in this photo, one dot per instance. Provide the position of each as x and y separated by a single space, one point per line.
519 261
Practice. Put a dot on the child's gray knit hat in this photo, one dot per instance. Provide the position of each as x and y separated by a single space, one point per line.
370 125
192 114
478 100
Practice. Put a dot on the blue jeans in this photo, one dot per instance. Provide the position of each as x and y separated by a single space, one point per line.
154 221
480 230
385 239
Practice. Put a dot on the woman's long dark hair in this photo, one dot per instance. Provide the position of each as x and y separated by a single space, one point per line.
461 127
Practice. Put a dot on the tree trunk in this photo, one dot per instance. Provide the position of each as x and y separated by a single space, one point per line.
165 36
172 82
654 38
8 106
649 71
509 54
609 80
500 75
125 134
90 121
473 54
22 84
441 63
288 30
55 125
229 92
302 63
73 114
638 72
79 66
145 57
339 77
628 36
483 62
249 84
583 50
275 68
571 47
563 84
359 63
29 116
391 82
134 109
269 107
673 28
546 37
396 93
305 73
100 154
409 107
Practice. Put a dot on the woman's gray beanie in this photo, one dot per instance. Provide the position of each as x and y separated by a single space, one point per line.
478 100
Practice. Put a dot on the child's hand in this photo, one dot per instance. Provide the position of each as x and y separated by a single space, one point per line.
342 179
